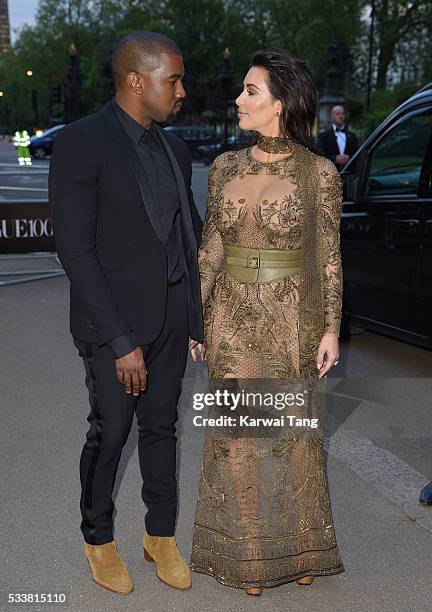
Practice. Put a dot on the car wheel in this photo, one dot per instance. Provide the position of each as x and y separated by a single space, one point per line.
39 153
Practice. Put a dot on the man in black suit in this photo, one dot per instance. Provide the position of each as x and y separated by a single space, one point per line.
127 232
338 143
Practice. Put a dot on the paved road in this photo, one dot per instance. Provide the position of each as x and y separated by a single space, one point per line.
379 456
22 182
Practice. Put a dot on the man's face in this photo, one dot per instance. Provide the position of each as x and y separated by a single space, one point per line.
338 116
162 89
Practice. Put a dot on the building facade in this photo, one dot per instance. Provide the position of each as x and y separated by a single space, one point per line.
4 25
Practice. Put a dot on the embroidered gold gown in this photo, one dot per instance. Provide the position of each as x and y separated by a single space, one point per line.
263 516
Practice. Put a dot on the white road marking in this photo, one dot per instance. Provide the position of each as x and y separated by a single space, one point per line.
395 479
23 188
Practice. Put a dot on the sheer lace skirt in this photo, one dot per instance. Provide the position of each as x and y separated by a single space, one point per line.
263 516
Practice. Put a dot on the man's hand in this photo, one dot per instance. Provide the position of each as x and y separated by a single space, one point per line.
342 159
328 353
131 372
193 344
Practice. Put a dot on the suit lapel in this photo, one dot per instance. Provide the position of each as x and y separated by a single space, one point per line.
334 140
138 169
181 187
348 142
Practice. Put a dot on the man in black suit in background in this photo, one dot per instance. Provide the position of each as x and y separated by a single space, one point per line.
338 143
127 232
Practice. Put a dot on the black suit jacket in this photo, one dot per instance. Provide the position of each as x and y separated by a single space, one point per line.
108 234
328 143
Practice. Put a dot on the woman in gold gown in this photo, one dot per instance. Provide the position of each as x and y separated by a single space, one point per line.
271 284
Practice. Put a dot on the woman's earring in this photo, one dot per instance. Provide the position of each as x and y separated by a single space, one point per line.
277 114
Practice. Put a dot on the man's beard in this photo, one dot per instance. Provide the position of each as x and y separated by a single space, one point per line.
171 118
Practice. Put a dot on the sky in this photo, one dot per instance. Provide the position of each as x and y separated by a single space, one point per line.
21 12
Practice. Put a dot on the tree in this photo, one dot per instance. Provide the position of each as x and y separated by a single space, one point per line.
203 29
398 21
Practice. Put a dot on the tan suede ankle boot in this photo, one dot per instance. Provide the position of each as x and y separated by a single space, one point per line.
108 568
171 569
306 580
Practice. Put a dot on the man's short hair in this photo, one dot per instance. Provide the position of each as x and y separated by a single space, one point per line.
139 51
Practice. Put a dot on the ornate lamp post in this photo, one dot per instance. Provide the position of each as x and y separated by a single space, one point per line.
72 87
225 78
34 99
333 86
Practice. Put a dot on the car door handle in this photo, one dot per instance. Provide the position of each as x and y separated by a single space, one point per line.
407 221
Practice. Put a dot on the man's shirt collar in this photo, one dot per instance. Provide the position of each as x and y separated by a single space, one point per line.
134 129
341 129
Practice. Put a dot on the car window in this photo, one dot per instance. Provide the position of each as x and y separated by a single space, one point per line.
396 161
53 131
191 133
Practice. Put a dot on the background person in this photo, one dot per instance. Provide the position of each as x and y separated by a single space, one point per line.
338 143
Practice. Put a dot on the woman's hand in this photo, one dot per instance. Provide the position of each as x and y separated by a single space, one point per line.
328 353
193 345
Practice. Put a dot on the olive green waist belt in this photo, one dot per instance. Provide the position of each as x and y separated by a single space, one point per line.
249 265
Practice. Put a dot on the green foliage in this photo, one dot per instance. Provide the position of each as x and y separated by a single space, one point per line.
383 102
202 29
402 37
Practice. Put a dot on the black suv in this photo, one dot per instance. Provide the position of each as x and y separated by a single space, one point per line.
208 153
386 226
193 136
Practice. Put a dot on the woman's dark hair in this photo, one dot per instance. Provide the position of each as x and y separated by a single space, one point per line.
290 81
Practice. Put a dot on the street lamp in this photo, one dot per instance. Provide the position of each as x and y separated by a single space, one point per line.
226 77
72 87
34 98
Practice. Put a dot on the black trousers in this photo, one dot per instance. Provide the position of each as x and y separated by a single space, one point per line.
110 418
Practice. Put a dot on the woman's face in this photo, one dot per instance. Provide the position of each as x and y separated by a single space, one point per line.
257 109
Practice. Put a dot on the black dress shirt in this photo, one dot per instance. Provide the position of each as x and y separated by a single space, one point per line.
163 187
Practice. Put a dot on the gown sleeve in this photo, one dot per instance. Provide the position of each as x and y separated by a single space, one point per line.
332 196
210 254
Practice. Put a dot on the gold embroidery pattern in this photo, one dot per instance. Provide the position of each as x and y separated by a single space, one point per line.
331 210
263 515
